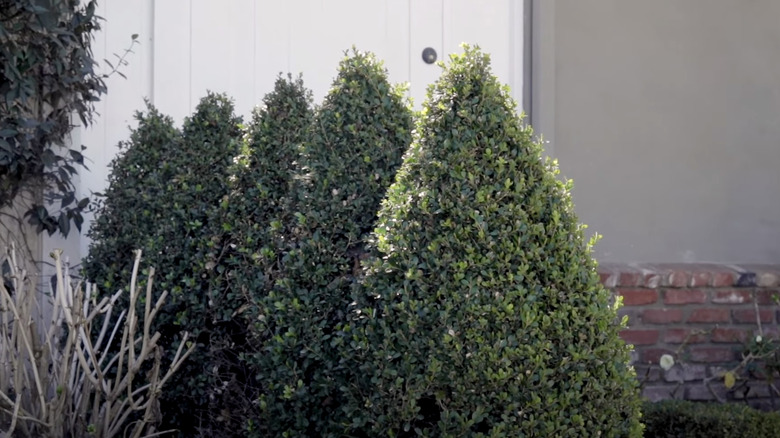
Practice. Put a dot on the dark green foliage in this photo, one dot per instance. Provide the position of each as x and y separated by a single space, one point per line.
482 313
47 77
248 226
211 138
161 193
131 206
355 146
260 204
685 419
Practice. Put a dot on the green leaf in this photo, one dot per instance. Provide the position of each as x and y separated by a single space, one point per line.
64 224
729 379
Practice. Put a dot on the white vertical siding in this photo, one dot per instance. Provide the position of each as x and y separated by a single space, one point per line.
173 57
491 25
271 43
222 51
426 30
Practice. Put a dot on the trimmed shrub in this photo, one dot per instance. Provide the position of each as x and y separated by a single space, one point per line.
131 207
210 139
354 148
178 187
248 226
481 313
685 419
260 205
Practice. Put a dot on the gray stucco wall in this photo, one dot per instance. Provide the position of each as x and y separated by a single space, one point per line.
666 114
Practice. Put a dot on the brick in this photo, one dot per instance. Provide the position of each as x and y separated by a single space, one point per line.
709 315
640 337
685 372
767 279
638 297
767 297
711 354
628 278
718 371
648 373
756 390
728 335
651 278
772 331
656 393
684 296
703 393
677 278
608 279
731 296
678 336
608 272
722 278
748 316
661 316
653 355
700 279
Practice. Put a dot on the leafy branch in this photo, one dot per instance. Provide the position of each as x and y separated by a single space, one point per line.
49 76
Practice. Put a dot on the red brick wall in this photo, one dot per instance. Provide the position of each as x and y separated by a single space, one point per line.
701 315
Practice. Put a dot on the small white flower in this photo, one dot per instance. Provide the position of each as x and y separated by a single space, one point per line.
667 362
759 339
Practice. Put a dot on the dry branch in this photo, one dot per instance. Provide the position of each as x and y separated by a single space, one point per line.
60 381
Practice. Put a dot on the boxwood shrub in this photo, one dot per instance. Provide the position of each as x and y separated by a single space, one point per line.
250 227
130 209
686 419
481 313
161 192
347 162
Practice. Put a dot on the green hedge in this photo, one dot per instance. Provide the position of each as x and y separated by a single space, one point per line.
481 313
347 162
685 419
161 192
477 310
250 227
130 208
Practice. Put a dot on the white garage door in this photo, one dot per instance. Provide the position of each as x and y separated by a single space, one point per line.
239 46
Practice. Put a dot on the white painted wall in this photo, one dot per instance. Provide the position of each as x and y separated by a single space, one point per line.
240 46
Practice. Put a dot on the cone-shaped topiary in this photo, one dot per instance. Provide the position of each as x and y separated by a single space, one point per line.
130 207
160 195
248 228
211 139
482 313
355 146
260 204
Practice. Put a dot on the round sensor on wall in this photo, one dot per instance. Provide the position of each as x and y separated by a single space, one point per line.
429 55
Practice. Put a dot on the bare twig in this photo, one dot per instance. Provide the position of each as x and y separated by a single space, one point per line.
758 315
50 388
